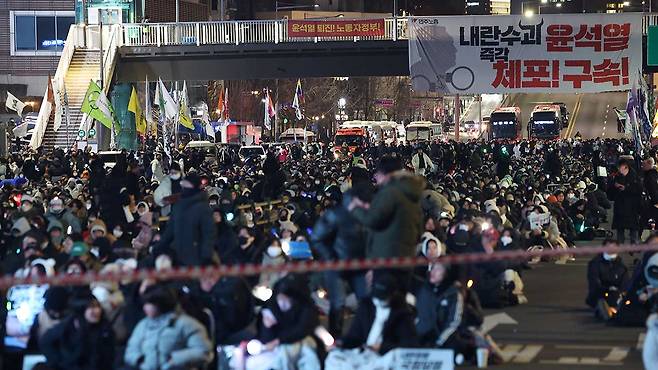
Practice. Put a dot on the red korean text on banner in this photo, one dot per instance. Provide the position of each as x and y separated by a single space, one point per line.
337 28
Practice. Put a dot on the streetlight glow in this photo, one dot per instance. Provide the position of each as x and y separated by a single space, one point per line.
544 1
626 3
342 102
529 13
559 5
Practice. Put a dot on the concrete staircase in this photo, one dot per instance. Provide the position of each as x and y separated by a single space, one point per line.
85 66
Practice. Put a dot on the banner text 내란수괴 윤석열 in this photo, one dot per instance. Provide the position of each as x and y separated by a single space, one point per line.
554 53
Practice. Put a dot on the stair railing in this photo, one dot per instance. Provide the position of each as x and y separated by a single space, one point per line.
72 41
110 56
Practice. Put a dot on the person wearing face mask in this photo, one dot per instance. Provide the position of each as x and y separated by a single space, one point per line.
170 186
606 277
27 209
625 190
273 256
57 212
55 247
121 238
190 232
285 328
382 323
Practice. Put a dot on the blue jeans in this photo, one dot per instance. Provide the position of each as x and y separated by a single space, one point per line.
335 285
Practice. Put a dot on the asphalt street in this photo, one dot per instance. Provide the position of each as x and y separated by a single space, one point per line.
557 331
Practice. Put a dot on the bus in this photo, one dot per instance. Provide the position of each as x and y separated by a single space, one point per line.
545 122
353 138
419 131
505 123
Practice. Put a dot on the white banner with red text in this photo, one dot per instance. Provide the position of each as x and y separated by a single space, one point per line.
552 53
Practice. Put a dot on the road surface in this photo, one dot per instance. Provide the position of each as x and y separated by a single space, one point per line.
556 331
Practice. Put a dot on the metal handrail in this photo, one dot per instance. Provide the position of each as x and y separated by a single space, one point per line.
109 59
236 33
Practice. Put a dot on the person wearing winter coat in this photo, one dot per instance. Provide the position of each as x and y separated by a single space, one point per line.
650 182
169 188
422 163
625 190
231 302
190 232
394 216
650 347
286 327
337 235
446 319
166 338
435 203
57 212
606 273
382 323
82 341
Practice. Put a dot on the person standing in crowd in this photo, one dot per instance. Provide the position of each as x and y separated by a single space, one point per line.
394 217
169 189
422 163
337 235
650 182
625 190
190 232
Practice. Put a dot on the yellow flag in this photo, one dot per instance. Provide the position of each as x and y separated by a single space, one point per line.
184 117
133 106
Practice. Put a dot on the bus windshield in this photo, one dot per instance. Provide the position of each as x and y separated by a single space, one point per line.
503 125
418 133
349 140
545 123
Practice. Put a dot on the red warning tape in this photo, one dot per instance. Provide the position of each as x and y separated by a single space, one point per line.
193 273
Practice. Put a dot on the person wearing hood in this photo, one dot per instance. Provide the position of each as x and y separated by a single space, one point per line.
227 243
28 208
286 326
606 275
170 187
190 232
338 235
145 235
55 247
382 323
625 190
57 212
82 341
157 170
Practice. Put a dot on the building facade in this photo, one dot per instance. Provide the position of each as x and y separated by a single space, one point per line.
32 34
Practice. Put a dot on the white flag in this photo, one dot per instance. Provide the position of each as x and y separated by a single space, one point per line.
20 130
210 131
59 112
170 107
147 108
14 104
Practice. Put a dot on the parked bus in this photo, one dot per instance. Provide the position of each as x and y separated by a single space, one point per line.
545 122
419 131
505 123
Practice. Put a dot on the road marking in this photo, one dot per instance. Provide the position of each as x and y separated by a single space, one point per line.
520 354
617 354
640 341
491 321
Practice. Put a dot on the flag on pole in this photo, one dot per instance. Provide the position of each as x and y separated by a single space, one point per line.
51 94
97 106
148 113
133 106
184 116
20 130
220 104
225 113
269 110
166 103
14 104
298 100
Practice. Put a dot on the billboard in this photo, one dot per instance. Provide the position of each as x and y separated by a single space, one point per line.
337 28
556 53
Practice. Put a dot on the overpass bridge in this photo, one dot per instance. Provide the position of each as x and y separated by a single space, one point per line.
214 50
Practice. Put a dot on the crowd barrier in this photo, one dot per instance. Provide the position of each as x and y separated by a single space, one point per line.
198 272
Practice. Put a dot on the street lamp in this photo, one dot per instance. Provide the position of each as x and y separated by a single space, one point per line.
342 102
288 6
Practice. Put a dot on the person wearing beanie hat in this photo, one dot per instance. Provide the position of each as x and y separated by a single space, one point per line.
57 211
55 307
79 249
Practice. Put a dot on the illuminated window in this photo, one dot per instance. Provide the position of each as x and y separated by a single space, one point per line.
39 32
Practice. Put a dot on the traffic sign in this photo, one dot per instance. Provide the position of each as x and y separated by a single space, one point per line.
92 132
81 133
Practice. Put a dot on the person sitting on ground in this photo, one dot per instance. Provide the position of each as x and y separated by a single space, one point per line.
606 277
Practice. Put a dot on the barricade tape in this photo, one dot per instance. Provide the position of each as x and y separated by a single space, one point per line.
198 272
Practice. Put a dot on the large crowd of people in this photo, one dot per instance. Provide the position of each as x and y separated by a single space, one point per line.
69 212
